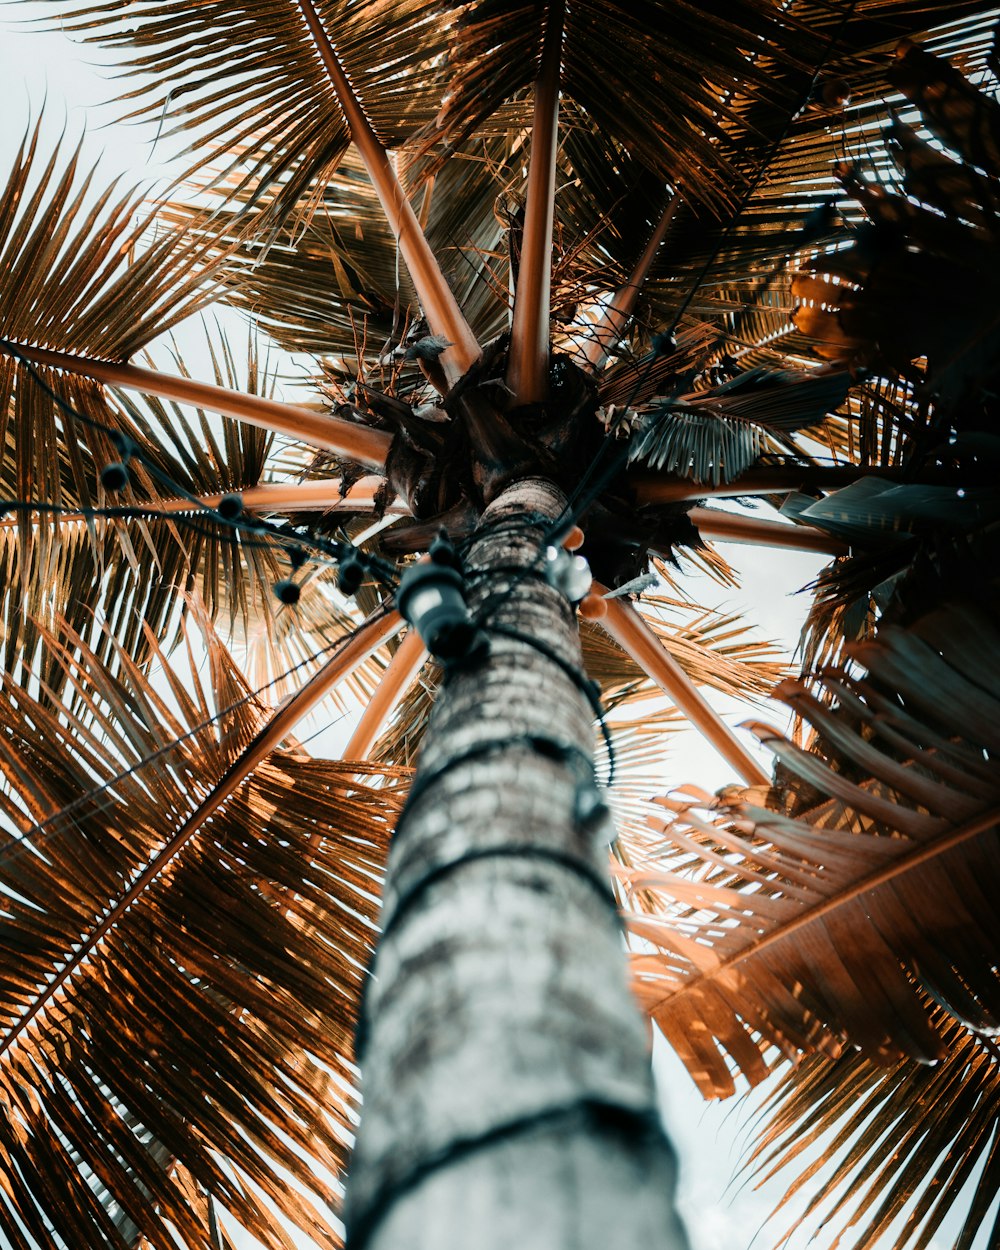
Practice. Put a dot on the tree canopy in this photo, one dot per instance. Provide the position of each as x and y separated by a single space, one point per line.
661 255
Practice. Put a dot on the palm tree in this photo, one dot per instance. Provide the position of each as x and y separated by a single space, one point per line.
547 293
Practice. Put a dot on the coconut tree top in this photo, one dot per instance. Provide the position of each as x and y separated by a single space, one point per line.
654 256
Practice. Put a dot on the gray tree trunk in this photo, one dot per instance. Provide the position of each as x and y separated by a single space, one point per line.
508 1099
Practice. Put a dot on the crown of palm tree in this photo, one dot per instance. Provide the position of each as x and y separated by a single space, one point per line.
657 254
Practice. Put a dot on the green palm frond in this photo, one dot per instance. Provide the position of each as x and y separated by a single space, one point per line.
907 1139
717 434
224 1048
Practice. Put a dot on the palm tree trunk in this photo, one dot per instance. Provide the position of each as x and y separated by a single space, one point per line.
508 1094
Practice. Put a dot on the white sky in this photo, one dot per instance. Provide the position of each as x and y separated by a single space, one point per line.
37 68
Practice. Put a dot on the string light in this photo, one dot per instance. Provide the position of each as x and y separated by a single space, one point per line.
431 596
230 507
287 591
115 477
351 575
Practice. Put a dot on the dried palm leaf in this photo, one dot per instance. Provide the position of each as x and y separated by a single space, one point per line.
799 930
256 95
335 286
900 1141
176 995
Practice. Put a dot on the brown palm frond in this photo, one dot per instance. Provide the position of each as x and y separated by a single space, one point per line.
933 228
732 272
134 573
715 649
235 974
905 1140
323 286
798 930
401 672
693 60
908 302
310 99
257 97
88 283
631 632
75 275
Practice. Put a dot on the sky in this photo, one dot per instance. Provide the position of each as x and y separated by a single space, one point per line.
47 68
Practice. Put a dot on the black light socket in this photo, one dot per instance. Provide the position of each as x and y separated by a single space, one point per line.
431 598
230 507
350 575
114 476
443 553
287 591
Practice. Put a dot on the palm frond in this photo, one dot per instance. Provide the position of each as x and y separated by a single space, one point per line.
68 284
335 285
716 649
256 97
872 300
134 574
798 930
731 273
907 1141
74 278
235 974
717 434
907 300
685 126
92 285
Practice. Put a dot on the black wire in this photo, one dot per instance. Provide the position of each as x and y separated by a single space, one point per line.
588 689
127 447
141 512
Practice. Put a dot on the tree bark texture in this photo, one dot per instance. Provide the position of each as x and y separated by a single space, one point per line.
508 1098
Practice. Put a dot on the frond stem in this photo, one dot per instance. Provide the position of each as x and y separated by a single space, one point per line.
528 362
624 624
439 304
366 640
728 527
663 488
402 669
354 442
612 322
